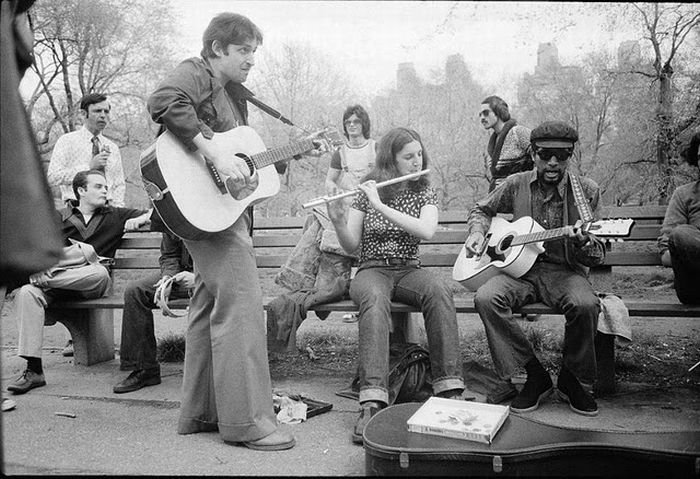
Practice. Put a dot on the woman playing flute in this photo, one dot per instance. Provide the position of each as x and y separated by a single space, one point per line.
387 226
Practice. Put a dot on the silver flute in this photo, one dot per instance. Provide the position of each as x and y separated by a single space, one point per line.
328 199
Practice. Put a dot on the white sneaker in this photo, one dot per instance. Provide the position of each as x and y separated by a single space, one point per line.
8 404
68 350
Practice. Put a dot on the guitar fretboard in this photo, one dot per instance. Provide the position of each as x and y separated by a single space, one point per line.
269 157
546 235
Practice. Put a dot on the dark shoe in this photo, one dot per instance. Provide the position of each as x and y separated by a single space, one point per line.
537 387
138 379
68 350
277 441
366 414
570 390
27 381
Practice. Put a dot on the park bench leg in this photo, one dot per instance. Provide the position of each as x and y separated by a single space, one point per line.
605 357
92 332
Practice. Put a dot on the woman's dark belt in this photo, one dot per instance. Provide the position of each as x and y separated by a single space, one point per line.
374 263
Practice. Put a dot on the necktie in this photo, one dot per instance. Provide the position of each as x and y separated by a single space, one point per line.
95 145
96 149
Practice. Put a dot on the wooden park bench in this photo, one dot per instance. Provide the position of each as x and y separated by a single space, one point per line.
91 322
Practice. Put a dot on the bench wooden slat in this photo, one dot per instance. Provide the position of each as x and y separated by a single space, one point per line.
456 236
442 260
463 305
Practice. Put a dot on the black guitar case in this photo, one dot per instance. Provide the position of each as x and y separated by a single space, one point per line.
524 447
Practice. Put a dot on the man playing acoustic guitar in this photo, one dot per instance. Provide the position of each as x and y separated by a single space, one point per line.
558 277
226 384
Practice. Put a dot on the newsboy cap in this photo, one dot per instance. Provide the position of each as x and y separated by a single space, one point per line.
554 134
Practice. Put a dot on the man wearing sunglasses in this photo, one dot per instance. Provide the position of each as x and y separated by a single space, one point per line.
509 144
558 278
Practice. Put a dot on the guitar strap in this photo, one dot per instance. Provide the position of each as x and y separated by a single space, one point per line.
270 111
584 209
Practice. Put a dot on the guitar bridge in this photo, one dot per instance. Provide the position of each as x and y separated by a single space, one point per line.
220 184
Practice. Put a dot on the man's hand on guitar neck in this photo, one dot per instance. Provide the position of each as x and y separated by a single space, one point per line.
578 233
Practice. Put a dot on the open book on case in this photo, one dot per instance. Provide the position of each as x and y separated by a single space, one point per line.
458 419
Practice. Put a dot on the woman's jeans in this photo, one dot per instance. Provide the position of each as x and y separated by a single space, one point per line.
372 290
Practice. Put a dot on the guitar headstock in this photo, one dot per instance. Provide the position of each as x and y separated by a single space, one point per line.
327 139
615 227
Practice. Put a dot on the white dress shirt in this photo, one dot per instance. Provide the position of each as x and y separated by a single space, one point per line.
73 152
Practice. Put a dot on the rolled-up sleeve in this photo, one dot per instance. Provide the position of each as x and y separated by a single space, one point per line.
174 103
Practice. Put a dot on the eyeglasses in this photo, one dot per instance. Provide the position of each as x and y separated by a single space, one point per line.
561 154
485 113
353 122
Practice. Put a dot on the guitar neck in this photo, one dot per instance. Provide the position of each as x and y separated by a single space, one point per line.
269 157
536 237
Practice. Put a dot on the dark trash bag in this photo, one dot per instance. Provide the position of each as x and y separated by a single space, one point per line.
409 375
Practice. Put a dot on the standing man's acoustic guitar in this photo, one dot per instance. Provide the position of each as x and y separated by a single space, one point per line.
190 195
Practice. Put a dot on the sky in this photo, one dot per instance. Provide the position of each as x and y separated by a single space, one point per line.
369 39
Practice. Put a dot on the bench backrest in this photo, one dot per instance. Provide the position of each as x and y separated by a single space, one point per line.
274 239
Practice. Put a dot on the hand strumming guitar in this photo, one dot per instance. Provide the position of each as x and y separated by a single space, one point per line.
231 167
474 244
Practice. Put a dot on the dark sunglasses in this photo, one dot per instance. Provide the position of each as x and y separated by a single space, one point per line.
561 154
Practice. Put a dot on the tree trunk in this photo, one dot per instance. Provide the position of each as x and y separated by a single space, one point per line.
664 133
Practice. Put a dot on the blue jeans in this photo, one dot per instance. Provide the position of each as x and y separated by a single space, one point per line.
684 246
372 290
558 287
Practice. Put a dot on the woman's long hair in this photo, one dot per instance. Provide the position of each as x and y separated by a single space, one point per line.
385 165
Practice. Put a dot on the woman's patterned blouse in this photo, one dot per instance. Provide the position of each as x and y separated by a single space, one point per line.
382 239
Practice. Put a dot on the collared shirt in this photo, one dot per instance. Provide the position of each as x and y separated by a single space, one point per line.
191 100
683 209
103 231
547 207
73 152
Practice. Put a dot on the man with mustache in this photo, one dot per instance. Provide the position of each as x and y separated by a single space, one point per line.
558 278
509 144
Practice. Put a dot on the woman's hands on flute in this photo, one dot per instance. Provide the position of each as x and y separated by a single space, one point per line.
370 189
